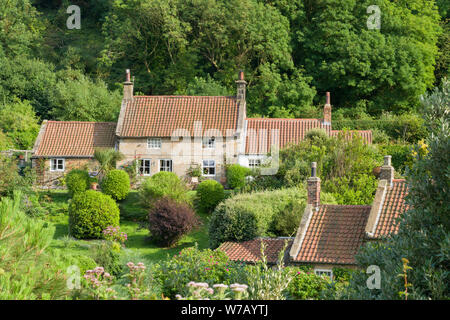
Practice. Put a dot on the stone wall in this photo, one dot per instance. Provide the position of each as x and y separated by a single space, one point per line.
183 153
52 179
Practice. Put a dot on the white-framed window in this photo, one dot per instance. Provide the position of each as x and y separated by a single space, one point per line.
57 164
324 272
209 168
165 165
254 163
144 167
154 143
209 143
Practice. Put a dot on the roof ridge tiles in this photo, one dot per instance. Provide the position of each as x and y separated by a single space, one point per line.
82 122
183 96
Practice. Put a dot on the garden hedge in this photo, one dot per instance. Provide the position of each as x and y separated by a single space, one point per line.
249 215
209 194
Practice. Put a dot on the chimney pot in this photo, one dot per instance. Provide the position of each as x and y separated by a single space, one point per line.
387 170
327 110
127 86
241 75
313 169
387 160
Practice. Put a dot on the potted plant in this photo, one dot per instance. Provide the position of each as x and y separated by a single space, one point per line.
194 172
94 182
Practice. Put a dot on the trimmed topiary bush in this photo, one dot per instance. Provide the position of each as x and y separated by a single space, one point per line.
116 184
209 194
236 176
169 221
163 184
77 181
90 213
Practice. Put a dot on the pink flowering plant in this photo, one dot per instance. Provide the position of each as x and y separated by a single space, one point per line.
202 291
114 234
136 285
98 284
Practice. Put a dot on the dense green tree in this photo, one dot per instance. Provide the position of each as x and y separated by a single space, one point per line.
18 122
443 58
81 99
28 79
20 27
388 68
167 44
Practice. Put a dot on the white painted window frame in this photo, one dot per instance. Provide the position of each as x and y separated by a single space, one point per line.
330 271
149 167
154 143
171 166
57 164
254 159
209 166
209 143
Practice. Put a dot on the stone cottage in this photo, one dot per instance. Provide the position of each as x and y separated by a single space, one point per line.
174 133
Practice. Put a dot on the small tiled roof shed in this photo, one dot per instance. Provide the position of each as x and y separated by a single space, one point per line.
73 139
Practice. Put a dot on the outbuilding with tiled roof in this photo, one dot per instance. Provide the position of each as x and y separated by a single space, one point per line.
331 235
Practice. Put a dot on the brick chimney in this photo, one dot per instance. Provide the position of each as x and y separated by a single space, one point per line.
387 170
241 84
128 86
327 110
313 187
240 99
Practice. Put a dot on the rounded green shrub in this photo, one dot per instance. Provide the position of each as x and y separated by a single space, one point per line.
90 213
209 194
236 176
116 184
163 184
77 181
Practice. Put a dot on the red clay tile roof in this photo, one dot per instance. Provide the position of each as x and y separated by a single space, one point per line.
393 206
260 132
75 138
366 135
160 116
250 251
334 234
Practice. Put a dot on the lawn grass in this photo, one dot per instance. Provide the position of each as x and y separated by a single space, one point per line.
133 222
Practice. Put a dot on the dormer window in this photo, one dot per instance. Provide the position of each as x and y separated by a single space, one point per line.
154 143
209 143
